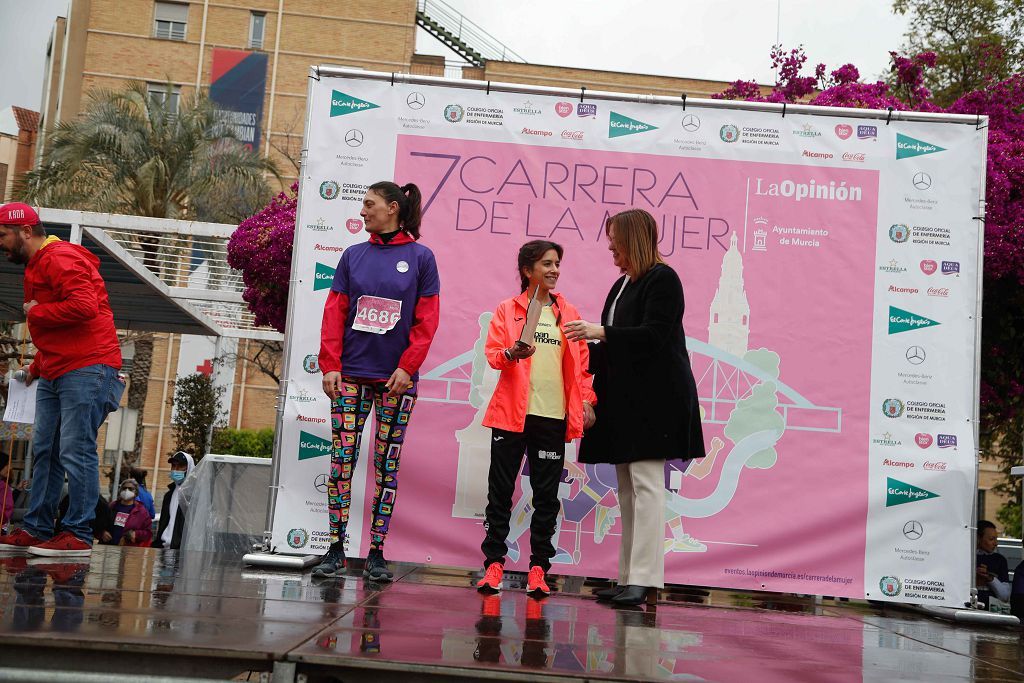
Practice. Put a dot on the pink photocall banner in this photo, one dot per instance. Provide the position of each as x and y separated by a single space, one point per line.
777 266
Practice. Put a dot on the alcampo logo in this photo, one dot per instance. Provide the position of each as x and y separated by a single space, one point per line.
899 492
342 104
619 125
907 147
312 446
904 321
323 278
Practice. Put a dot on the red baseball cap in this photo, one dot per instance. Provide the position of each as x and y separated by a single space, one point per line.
17 213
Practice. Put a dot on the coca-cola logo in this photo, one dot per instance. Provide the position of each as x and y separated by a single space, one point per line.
923 440
936 466
858 157
928 266
563 109
942 292
354 225
572 134
844 131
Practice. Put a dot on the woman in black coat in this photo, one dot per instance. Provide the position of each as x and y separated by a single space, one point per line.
647 406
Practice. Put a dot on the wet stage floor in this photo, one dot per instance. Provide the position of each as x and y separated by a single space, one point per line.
143 611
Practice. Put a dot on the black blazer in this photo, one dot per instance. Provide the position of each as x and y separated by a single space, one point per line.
165 517
647 406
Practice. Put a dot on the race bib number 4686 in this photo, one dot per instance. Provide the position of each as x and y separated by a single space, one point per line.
376 314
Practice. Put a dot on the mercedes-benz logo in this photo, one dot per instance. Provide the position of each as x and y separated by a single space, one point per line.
913 530
922 180
916 355
415 100
354 138
691 123
320 483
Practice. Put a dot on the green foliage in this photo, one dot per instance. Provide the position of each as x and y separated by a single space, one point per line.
252 443
128 153
196 408
975 41
757 412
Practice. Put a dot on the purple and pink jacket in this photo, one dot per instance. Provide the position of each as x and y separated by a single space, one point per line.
400 269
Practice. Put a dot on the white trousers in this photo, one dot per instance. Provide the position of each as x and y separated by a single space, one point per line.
642 508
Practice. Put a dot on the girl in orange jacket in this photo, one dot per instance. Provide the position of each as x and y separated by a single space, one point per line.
543 399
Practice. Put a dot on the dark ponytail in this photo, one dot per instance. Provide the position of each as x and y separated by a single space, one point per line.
408 198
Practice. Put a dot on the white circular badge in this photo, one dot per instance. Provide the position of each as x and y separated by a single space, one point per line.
402 267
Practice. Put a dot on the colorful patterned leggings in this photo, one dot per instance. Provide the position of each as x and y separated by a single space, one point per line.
348 415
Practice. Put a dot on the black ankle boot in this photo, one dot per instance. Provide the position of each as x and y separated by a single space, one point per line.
608 593
636 595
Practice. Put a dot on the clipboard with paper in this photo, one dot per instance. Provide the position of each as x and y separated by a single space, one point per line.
533 311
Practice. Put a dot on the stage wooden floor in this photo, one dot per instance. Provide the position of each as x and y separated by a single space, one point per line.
144 612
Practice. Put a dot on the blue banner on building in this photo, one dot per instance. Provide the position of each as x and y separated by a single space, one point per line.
238 82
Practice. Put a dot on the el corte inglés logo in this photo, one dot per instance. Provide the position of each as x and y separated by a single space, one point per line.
312 446
619 125
904 321
907 147
323 278
899 492
342 104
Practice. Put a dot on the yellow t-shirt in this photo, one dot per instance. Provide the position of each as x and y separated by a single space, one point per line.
547 392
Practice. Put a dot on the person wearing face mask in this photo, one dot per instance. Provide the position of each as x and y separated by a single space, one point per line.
172 517
132 523
378 323
544 399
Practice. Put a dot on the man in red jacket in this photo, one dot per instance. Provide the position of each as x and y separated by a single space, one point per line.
76 364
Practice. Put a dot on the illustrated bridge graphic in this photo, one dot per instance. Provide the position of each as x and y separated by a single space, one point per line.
722 381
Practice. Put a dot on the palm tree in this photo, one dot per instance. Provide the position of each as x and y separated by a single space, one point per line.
130 153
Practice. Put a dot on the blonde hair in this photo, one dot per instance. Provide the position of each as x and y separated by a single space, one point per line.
636 236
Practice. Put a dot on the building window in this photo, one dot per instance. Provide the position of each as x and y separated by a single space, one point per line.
257 27
981 503
158 96
170 21
3 181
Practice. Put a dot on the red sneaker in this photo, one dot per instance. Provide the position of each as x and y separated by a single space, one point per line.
491 606
491 583
64 544
19 541
534 608
535 584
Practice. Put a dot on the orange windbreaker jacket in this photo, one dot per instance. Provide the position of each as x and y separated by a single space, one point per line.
507 409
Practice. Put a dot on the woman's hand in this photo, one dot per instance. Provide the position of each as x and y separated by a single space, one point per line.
581 330
332 385
399 382
520 351
589 416
106 537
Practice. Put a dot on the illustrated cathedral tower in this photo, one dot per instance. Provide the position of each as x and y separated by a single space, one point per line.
729 327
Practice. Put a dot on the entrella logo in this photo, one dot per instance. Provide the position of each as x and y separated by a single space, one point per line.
527 109
892 407
928 266
844 131
342 104
907 147
563 109
904 321
619 125
319 226
807 131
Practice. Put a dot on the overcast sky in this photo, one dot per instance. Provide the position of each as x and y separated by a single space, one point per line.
711 39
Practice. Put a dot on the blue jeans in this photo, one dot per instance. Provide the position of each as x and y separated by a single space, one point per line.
69 412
